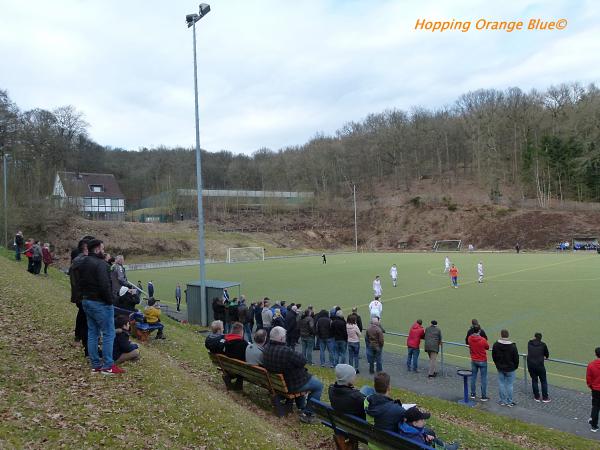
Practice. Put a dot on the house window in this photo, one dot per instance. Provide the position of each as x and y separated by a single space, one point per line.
100 202
87 201
107 202
96 188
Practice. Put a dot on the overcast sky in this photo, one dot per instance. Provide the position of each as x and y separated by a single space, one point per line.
274 73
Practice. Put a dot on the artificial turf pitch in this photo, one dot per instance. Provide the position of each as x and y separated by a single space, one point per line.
555 294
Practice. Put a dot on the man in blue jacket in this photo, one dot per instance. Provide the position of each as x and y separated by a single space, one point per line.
387 412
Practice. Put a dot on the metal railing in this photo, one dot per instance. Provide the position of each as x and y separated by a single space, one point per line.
522 355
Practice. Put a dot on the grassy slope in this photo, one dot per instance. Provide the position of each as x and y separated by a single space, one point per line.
524 293
172 397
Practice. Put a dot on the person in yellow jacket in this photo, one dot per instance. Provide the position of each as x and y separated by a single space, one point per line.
152 316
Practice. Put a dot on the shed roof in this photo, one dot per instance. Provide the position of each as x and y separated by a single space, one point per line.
217 284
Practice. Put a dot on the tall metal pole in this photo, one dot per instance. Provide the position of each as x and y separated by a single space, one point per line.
4 164
355 223
203 306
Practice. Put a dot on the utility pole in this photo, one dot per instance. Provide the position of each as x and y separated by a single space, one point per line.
4 166
355 222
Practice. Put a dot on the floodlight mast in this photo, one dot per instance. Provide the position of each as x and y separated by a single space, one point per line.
191 20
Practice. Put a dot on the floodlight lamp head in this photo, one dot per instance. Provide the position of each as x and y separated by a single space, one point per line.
203 9
191 19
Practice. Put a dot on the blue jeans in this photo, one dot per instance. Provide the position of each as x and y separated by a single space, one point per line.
505 386
412 361
17 253
353 354
481 367
376 353
454 281
340 352
329 345
100 321
307 348
248 332
314 386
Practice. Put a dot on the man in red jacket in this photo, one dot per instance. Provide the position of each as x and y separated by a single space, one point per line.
592 377
413 344
478 346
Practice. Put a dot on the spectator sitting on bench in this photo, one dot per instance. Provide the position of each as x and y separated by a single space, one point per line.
127 299
254 351
235 347
387 412
414 428
152 316
215 341
123 350
342 395
279 358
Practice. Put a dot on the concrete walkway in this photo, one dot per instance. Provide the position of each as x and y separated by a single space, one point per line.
568 411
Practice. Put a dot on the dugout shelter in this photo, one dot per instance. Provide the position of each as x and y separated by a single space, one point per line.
201 313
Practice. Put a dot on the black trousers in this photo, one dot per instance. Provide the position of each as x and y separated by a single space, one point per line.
535 373
595 408
81 328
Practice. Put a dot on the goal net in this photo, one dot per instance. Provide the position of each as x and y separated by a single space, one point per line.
447 246
585 243
241 254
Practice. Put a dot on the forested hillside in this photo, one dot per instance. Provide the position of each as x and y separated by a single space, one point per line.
541 144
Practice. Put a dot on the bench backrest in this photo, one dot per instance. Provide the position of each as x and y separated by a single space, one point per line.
362 430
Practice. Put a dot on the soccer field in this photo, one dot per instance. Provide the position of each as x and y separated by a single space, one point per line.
555 294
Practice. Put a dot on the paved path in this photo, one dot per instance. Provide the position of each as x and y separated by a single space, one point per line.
568 411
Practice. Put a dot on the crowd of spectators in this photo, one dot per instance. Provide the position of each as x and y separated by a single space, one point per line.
35 252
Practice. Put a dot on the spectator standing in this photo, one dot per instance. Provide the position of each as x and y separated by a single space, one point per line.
279 358
307 335
537 353
37 257
249 323
150 289
218 308
81 328
354 336
242 315
375 345
231 313
267 316
433 343
127 299
340 337
325 336
254 351
470 331
506 359
258 315
278 320
178 296
19 243
344 398
358 318
291 326
29 254
95 290
46 257
478 346
215 341
592 378
413 344
123 349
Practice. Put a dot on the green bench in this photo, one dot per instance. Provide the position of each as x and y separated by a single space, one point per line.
349 431
281 398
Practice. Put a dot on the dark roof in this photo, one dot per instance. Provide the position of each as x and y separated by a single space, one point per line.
217 284
78 184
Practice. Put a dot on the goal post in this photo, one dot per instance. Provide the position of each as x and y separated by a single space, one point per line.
449 245
585 243
242 254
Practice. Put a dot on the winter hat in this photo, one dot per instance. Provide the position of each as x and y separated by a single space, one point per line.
414 414
344 374
123 291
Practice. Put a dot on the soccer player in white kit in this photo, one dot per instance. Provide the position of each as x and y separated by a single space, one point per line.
394 275
446 265
377 287
376 308
480 272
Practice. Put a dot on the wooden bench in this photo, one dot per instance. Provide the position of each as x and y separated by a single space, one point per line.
349 430
281 398
141 330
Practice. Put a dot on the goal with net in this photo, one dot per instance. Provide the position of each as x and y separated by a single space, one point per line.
241 254
585 243
447 245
